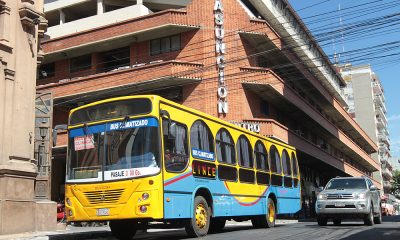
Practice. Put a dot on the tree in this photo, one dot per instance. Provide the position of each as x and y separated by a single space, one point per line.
396 184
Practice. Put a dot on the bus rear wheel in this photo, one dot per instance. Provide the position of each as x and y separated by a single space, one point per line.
199 224
123 229
267 221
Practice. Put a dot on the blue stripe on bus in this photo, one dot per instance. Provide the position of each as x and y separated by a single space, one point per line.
136 123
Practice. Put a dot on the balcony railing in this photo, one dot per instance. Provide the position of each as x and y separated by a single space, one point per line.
386 173
387 185
97 21
377 88
383 138
380 122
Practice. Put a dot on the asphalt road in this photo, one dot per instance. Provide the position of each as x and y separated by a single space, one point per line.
349 230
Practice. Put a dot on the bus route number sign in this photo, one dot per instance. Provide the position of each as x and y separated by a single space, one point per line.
203 169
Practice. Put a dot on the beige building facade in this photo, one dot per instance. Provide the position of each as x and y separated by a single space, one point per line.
21 26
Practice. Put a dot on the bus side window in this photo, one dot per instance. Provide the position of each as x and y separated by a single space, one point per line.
295 166
261 156
287 170
176 156
225 147
295 170
275 160
244 152
201 138
276 178
246 160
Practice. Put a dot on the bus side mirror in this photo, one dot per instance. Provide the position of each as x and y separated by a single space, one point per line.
57 127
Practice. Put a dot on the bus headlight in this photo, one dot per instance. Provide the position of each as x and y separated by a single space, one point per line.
68 202
70 213
143 209
145 196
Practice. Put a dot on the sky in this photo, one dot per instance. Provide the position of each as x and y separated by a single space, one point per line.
381 19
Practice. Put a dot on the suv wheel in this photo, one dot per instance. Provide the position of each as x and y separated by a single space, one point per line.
369 218
378 219
322 221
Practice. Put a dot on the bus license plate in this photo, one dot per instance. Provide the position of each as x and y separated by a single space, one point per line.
103 212
340 204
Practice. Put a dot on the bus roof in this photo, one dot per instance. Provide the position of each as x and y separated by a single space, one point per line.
194 111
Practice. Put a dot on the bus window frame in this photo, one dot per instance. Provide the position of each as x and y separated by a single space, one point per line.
164 148
233 144
251 151
212 141
290 164
280 160
267 157
295 165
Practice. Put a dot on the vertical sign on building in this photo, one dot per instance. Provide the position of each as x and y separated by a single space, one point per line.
220 61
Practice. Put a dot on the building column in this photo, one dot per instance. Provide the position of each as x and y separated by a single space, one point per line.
62 16
100 7
139 2
4 22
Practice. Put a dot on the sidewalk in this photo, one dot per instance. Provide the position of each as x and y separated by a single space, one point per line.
80 233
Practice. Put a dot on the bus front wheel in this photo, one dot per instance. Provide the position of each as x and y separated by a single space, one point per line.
199 224
123 229
268 220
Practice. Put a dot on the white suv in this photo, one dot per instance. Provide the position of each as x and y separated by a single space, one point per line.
349 197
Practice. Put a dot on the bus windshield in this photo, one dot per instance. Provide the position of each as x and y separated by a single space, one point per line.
113 151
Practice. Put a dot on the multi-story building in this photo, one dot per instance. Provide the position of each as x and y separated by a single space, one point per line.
21 25
251 62
366 104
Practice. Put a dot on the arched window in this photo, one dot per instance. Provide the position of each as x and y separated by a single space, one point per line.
201 139
244 152
261 156
275 160
295 166
287 168
225 147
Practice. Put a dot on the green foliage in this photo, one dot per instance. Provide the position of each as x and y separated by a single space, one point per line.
396 184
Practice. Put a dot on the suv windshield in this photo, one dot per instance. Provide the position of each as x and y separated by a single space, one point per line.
114 150
347 184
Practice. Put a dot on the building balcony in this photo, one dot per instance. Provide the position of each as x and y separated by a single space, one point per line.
387 185
129 80
97 21
383 138
382 114
380 122
383 149
377 87
275 91
386 174
124 33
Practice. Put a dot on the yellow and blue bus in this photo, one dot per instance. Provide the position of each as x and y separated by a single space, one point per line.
140 162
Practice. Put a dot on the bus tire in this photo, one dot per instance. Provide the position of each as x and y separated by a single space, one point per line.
217 225
199 224
268 220
123 229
